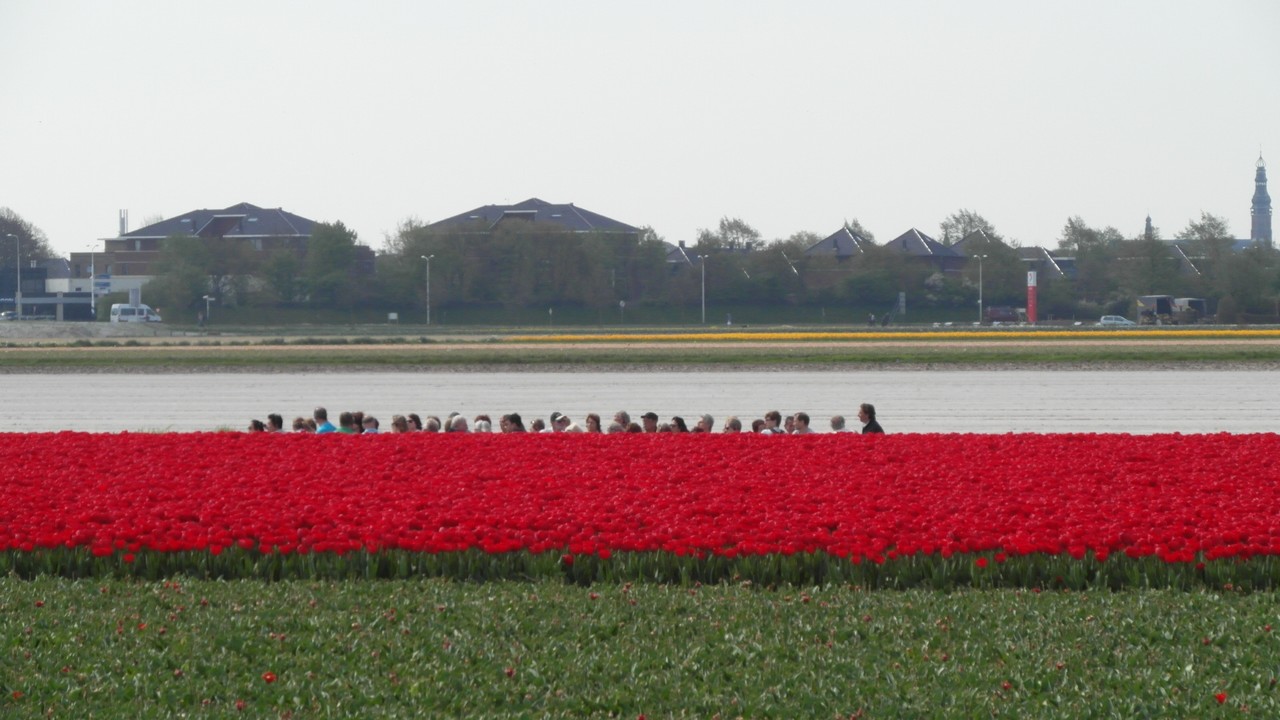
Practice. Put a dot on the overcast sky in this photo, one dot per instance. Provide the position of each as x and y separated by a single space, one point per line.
789 115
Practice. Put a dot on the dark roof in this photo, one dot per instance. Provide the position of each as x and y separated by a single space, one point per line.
843 243
678 253
915 243
570 217
57 268
974 242
1042 261
243 220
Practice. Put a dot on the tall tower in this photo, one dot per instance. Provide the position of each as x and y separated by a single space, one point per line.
1261 206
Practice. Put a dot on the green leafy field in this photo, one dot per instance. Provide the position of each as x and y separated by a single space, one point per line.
115 648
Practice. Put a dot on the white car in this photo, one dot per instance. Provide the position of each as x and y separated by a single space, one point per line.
1115 321
8 315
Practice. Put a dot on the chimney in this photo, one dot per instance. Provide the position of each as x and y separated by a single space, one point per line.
124 221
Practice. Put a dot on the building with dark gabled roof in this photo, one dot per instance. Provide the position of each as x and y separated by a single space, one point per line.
1045 264
975 242
923 248
568 217
844 244
243 220
126 259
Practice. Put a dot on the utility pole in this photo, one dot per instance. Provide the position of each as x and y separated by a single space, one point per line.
428 259
17 292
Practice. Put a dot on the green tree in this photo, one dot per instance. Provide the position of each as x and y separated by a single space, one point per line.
1249 278
1148 266
282 275
1095 252
999 271
1208 241
229 263
959 224
328 267
181 275
855 227
731 234
879 276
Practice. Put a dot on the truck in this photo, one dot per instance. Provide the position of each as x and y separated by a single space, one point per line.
1004 314
1156 310
1191 310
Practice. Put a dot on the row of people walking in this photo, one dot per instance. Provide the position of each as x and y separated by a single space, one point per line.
357 423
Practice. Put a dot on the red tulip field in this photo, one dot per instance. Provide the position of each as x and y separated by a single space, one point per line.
888 511
574 575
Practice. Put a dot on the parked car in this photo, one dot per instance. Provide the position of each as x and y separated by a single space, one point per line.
8 315
1115 321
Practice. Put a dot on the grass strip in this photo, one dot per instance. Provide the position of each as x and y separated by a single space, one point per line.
933 571
421 648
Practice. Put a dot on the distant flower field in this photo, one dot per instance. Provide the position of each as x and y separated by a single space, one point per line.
923 335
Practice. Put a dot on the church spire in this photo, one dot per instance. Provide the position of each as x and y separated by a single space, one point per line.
1261 211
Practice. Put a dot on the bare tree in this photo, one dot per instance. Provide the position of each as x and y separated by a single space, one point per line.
32 243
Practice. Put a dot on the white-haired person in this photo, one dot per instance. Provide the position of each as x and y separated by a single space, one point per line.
837 424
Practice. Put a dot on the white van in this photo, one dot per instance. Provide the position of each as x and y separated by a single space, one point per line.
121 312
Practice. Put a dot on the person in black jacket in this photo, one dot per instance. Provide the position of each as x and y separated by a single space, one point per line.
867 414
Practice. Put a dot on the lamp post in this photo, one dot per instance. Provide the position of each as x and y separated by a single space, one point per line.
207 299
17 292
93 286
428 259
702 260
980 259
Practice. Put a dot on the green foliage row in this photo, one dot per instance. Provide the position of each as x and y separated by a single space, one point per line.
988 570
436 648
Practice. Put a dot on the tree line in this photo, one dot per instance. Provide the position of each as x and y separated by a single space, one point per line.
532 265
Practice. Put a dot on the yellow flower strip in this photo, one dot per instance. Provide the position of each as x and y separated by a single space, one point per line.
923 335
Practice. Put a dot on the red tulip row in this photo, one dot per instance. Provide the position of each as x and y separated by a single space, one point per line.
1179 498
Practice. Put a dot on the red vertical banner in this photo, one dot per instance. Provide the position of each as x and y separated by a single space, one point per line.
1031 297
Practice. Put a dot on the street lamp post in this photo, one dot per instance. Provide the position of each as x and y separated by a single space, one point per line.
207 299
702 260
428 259
17 292
980 259
93 287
